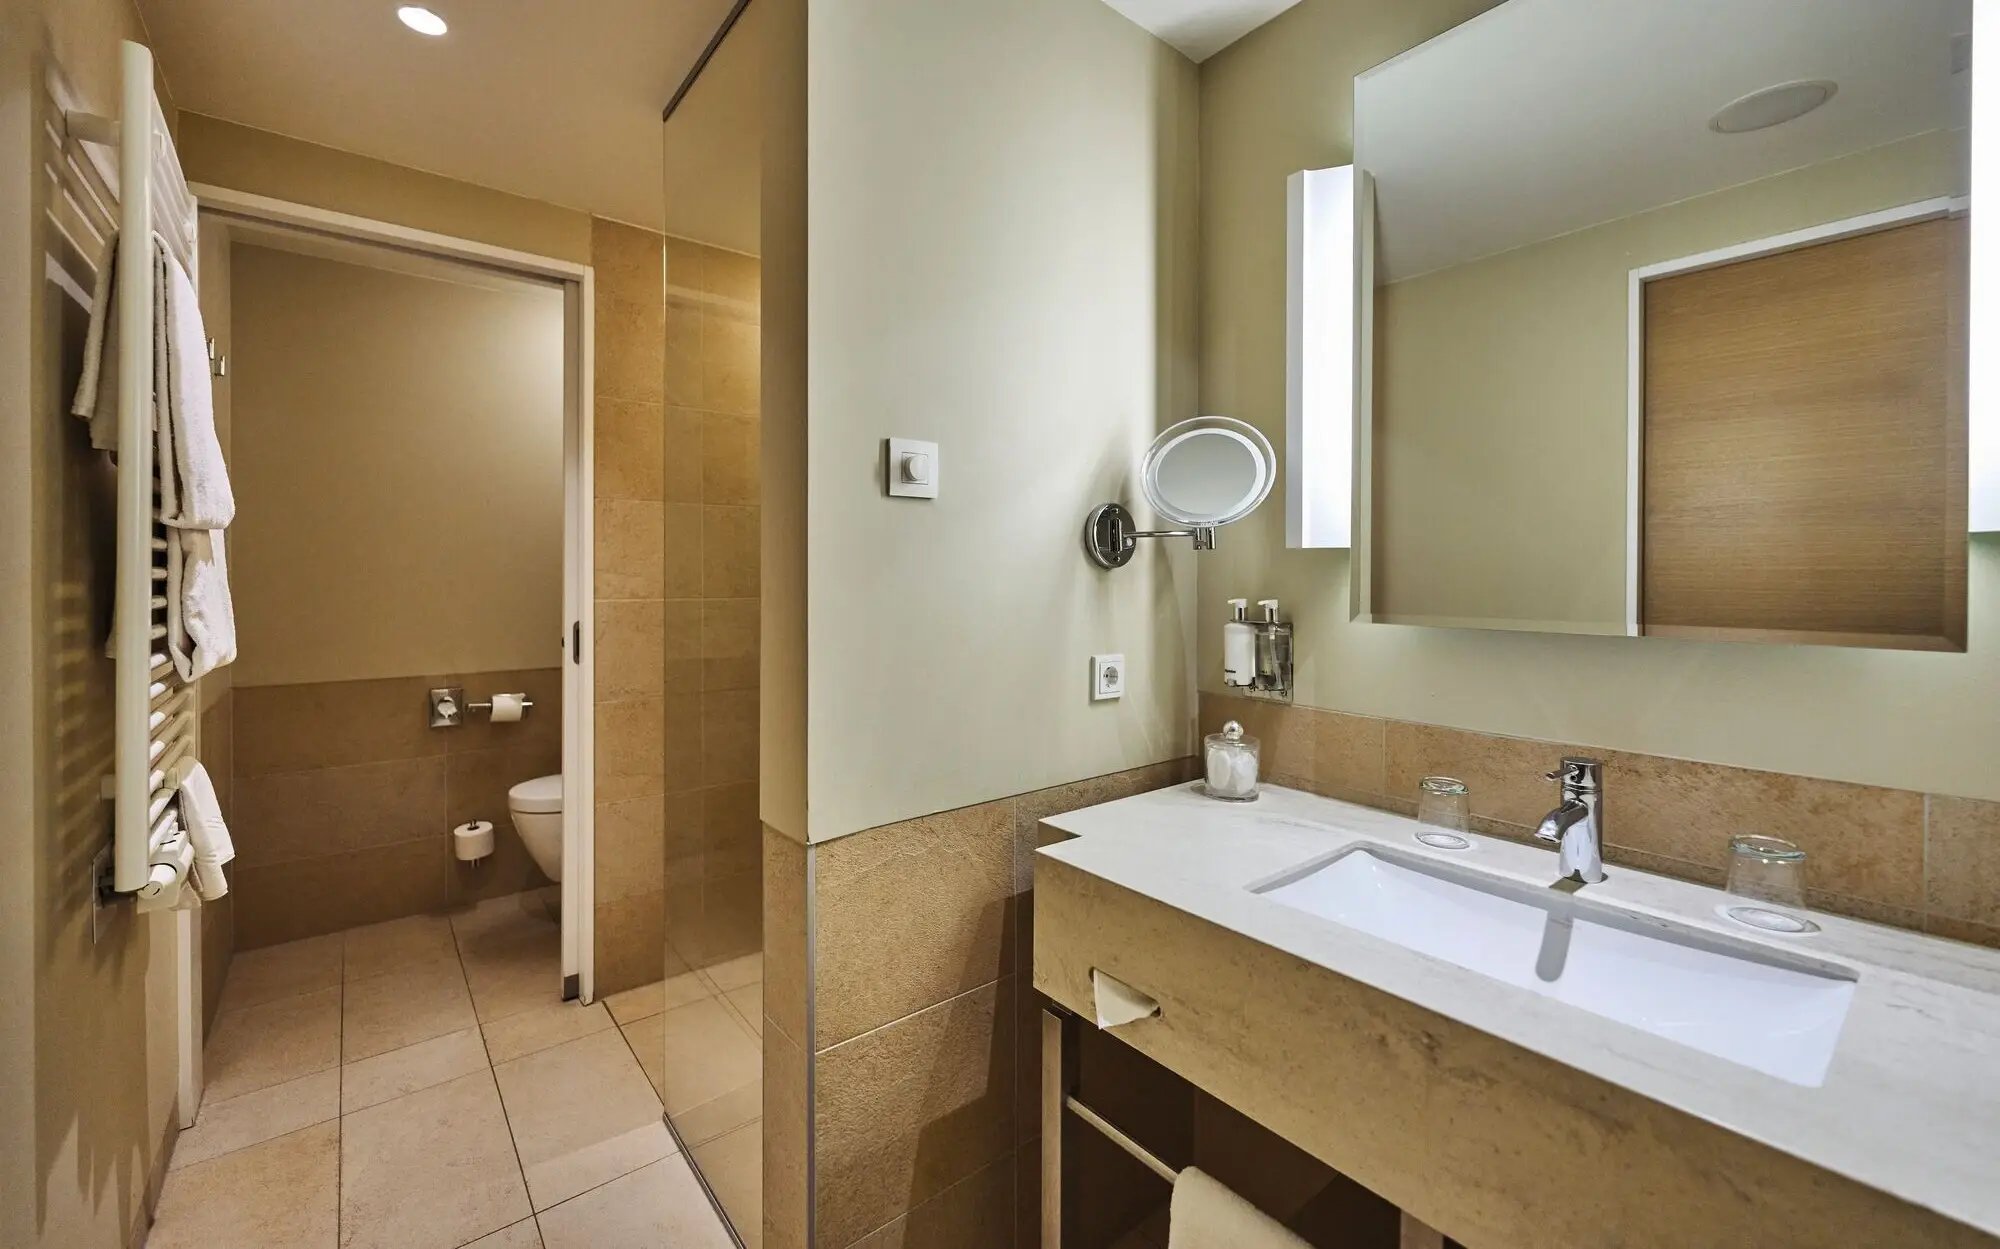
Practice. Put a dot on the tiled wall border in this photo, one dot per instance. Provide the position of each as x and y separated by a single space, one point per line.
1926 862
918 1122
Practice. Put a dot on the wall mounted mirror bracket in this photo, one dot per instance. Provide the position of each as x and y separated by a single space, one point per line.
1202 474
1110 539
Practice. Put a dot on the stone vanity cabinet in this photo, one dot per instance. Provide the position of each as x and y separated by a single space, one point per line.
1495 1146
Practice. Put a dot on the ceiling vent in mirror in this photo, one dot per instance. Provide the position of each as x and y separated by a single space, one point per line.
1773 106
1201 473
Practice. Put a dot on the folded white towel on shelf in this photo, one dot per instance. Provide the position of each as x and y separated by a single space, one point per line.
201 815
1207 1215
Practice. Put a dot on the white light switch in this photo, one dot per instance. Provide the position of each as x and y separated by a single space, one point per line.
1107 677
912 469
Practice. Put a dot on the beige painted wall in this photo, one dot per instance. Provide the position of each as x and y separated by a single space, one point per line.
224 154
398 463
1281 100
1487 367
781 691
86 1059
1000 204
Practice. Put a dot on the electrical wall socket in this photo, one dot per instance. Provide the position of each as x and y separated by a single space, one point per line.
1107 677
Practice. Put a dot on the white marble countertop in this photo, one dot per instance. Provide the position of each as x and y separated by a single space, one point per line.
1911 1102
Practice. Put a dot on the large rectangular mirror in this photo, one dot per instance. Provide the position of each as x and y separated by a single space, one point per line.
1665 307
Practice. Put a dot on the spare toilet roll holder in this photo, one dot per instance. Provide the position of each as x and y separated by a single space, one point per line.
448 707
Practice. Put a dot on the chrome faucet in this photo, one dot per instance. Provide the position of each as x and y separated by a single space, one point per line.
1578 824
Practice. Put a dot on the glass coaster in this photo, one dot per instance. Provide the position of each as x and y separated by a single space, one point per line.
1444 841
1766 920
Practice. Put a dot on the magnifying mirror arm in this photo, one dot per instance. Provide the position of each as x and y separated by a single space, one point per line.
1110 540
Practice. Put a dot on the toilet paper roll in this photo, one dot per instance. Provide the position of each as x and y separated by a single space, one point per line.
472 842
507 708
1117 1002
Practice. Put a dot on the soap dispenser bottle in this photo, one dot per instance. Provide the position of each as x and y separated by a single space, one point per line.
1239 646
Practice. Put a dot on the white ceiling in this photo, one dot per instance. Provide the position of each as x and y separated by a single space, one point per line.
1545 116
557 102
1201 28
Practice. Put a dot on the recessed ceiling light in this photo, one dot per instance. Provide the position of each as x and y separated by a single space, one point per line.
422 20
1773 106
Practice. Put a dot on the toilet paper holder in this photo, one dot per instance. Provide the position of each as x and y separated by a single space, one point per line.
448 706
527 705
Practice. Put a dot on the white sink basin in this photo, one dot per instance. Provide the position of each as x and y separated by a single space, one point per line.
1750 1005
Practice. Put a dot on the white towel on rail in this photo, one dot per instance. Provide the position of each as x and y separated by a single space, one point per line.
1205 1214
201 815
194 480
201 616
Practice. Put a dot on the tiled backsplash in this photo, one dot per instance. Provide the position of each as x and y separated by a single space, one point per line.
345 799
1921 861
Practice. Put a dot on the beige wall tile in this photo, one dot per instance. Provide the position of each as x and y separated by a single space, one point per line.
631 648
290 728
729 459
682 843
681 456
630 360
630 541
728 737
730 552
785 1144
909 915
975 1213
785 983
730 628
1349 755
732 836
906 1111
539 728
631 942
735 277
630 847
1963 860
631 747
628 262
476 782
686 265
285 816
1028 1195
308 897
629 459
1962 930
681 745
1507 776
1287 737
682 361
1862 842
680 625
681 572
731 365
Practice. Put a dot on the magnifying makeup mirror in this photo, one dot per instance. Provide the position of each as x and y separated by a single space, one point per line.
1201 473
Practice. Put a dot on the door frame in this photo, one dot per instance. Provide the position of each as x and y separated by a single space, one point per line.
578 283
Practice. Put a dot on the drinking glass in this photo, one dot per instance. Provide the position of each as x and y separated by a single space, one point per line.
1769 869
1443 802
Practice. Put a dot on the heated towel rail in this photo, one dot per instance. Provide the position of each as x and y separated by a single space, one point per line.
155 712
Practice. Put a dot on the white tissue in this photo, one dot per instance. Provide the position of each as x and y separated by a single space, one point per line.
506 708
1119 1003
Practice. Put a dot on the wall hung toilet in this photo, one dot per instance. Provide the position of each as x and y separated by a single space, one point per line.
537 810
